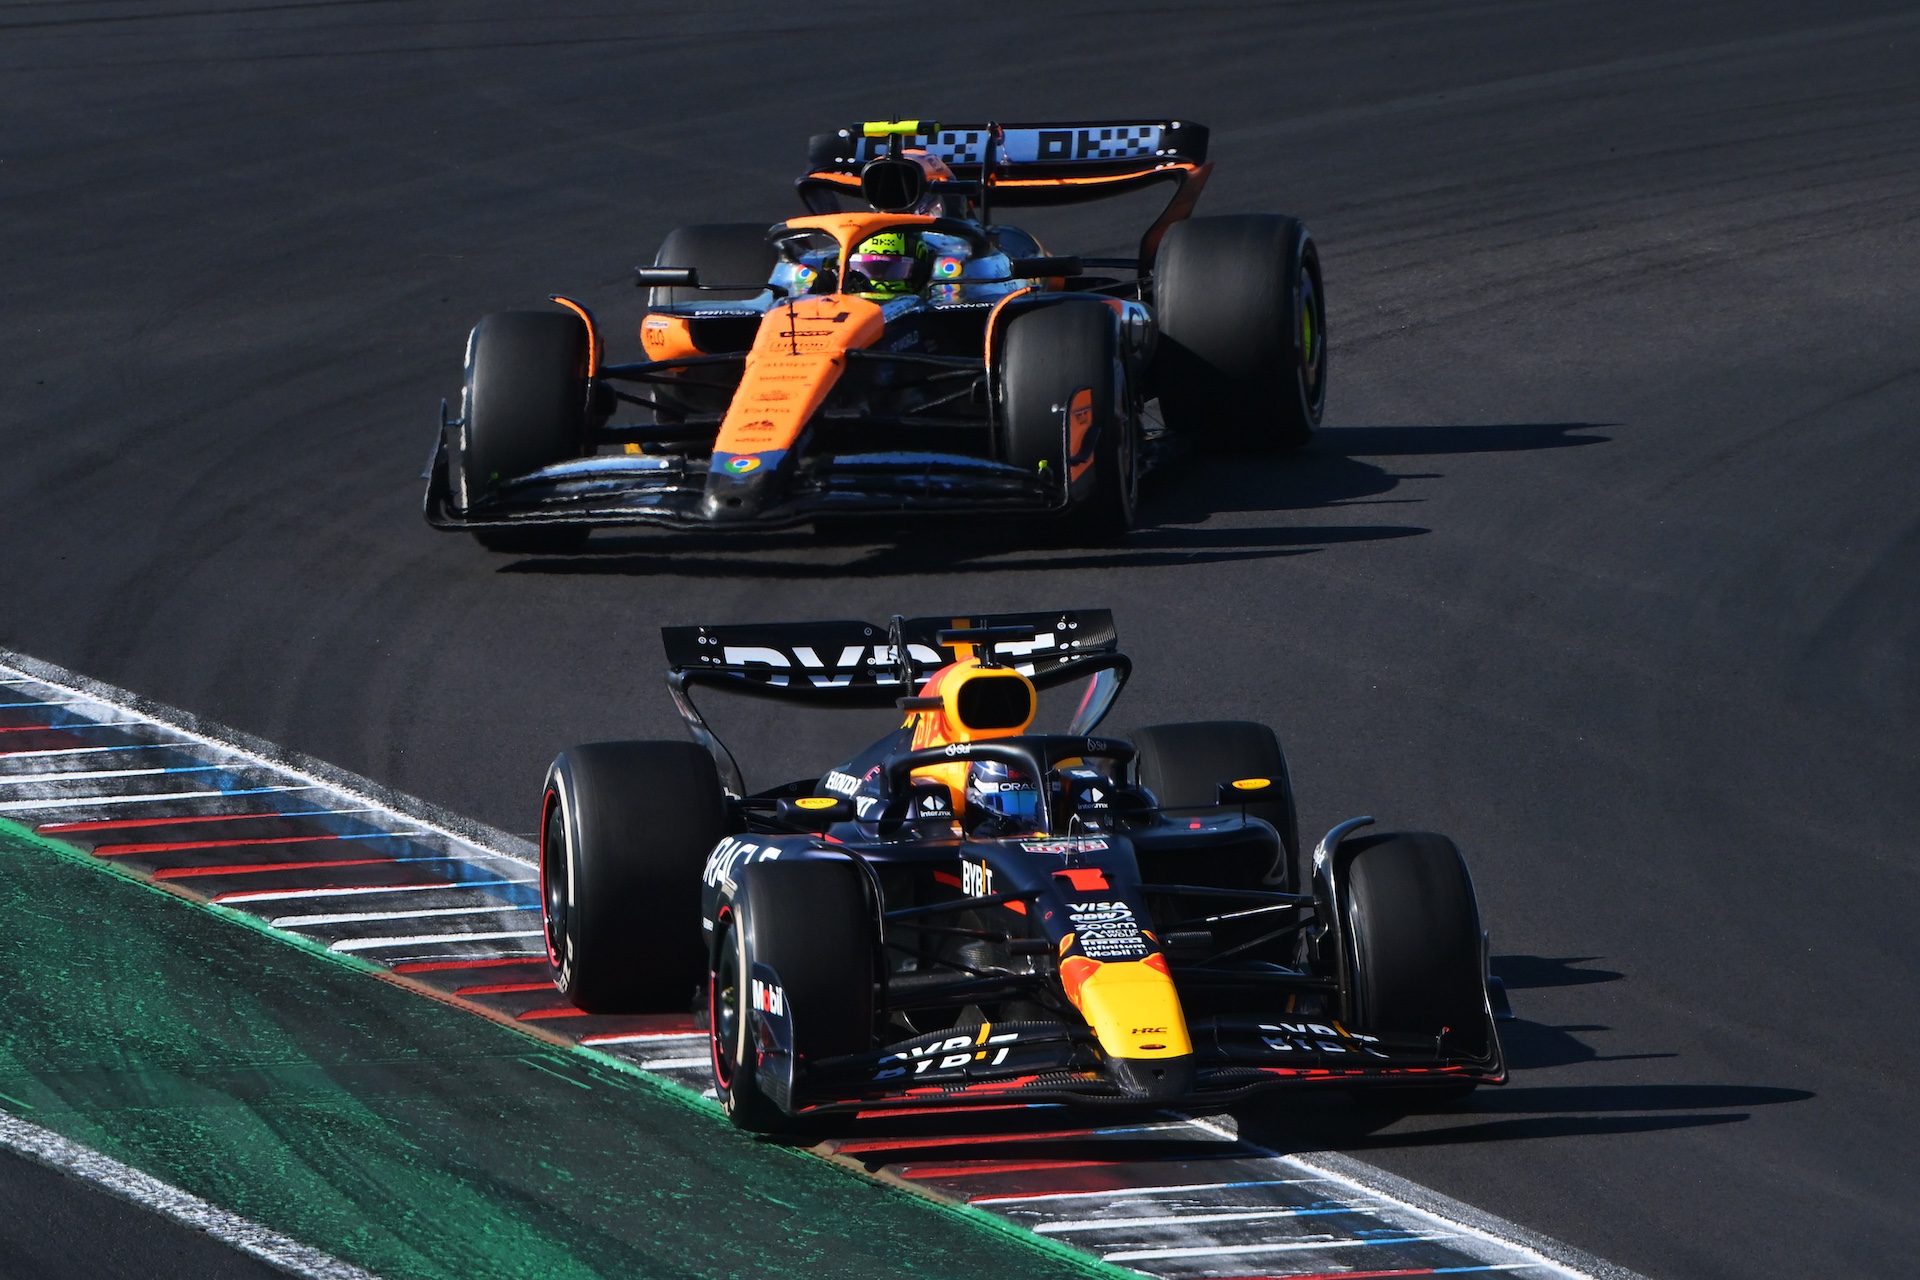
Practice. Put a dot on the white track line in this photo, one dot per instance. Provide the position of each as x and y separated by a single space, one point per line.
88 802
1311 1243
1364 1179
24 779
1134 1193
643 1037
427 939
281 895
48 1148
1184 1219
83 751
362 917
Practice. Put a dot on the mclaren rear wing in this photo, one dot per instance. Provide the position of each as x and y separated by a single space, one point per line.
861 664
1024 165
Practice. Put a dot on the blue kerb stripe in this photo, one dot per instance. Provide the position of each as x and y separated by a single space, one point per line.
519 893
343 825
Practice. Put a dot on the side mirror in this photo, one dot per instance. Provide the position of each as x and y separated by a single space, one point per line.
1039 268
666 278
1249 790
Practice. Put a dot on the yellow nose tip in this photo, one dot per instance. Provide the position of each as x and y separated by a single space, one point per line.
1134 1010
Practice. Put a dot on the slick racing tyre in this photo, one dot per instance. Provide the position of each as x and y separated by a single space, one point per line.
1061 380
1414 945
625 831
1184 765
722 253
1242 360
524 407
810 922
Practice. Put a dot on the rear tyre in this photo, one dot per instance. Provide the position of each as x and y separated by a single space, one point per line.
1055 362
625 831
723 253
1242 360
1184 765
524 405
810 922
1414 949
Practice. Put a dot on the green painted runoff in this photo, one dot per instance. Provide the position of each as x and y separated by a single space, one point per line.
402 1134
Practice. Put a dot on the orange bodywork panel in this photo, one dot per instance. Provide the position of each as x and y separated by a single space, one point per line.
1079 423
851 228
797 356
937 728
594 351
667 338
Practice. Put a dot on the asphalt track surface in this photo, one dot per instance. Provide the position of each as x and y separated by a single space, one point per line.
1605 563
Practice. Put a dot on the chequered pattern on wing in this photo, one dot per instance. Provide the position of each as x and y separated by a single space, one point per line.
1026 146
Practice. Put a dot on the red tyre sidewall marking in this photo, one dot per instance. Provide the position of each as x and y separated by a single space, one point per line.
546 925
723 924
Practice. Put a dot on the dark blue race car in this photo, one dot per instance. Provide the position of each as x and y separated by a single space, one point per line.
970 911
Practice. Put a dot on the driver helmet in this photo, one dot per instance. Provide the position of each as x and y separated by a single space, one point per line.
889 265
1000 798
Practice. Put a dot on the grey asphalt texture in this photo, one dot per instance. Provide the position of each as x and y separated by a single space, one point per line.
1607 562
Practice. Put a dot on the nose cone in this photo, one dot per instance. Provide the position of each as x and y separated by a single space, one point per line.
737 487
1153 1079
1135 1012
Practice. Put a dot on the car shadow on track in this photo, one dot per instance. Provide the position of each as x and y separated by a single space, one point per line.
941 550
1539 1044
1284 1124
1527 973
1333 471
1514 1113
1177 502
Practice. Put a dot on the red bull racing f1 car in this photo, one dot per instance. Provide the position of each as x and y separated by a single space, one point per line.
899 351
972 912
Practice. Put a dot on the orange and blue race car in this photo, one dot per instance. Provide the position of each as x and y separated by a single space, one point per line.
973 912
898 351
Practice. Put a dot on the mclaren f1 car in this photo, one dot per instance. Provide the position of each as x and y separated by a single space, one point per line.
972 912
897 351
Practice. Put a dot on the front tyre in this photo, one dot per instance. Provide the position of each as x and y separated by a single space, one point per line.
1066 412
810 921
1242 357
1413 935
524 405
625 830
